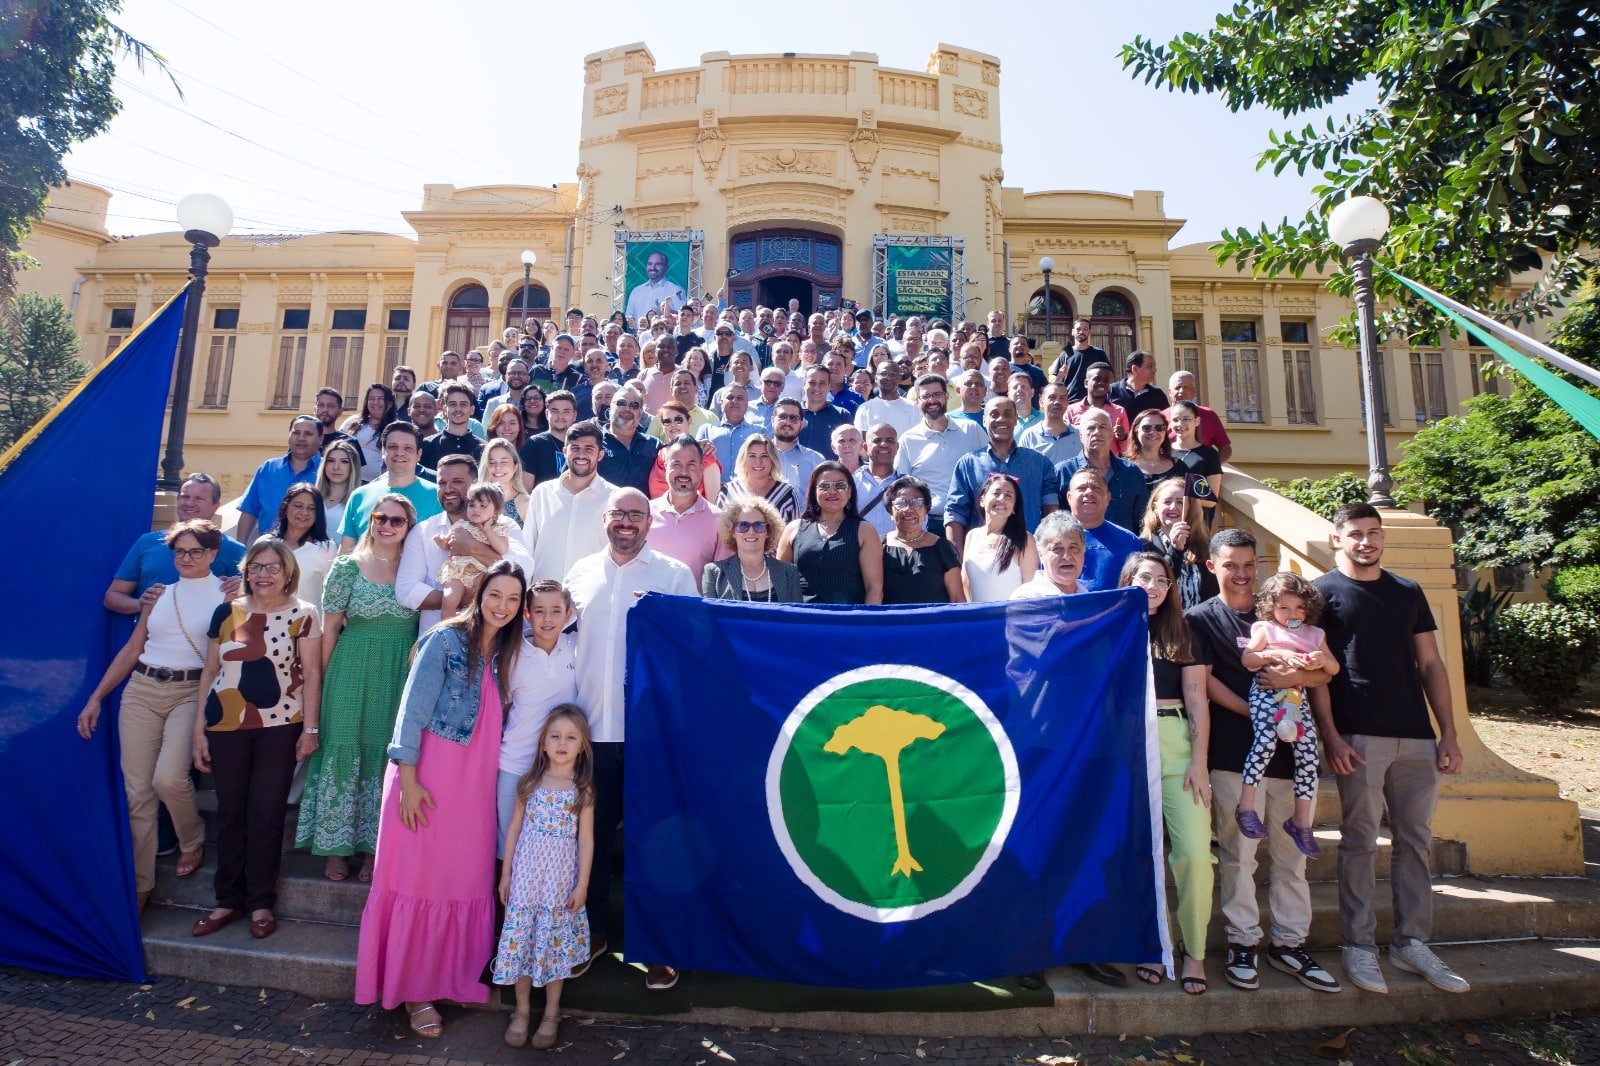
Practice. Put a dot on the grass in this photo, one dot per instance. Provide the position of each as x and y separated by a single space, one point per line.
1564 746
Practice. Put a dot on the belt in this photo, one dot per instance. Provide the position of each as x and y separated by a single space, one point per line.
1170 712
166 673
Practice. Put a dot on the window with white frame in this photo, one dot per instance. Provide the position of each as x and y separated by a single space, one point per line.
118 325
219 358
346 345
394 340
289 370
1299 384
1427 385
1241 371
1186 350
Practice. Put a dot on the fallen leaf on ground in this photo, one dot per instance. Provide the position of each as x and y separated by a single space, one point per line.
150 1014
186 1002
1334 1047
1473 1040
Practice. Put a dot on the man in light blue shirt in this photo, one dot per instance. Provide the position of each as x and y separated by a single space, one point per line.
795 460
1032 472
930 449
1053 436
729 435
272 480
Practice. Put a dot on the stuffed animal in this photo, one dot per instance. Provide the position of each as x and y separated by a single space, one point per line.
1289 719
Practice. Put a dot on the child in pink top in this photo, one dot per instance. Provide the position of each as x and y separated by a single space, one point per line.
1286 606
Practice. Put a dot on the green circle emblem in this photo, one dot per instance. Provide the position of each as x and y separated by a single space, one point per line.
891 790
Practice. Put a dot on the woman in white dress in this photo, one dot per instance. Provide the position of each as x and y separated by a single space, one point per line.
999 556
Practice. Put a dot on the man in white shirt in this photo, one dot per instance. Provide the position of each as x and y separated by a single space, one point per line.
563 523
888 406
604 587
416 583
648 294
929 450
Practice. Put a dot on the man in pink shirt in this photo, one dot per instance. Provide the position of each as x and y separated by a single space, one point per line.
1097 379
683 526
1181 386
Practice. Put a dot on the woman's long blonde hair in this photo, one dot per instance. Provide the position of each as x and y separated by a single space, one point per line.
582 770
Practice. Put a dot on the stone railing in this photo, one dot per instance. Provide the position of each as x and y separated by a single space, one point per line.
677 89
908 90
829 77
1511 821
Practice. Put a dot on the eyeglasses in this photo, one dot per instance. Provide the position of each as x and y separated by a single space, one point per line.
189 553
833 486
677 420
273 569
1149 582
908 503
1159 427
633 517
757 526
787 418
632 405
723 333
388 520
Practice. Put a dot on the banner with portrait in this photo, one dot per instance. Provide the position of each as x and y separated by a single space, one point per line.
653 269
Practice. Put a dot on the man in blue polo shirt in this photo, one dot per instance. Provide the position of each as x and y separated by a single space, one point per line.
148 566
1124 480
821 417
1035 477
274 477
1106 546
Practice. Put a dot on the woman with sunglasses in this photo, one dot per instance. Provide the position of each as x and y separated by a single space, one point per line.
1150 449
366 648
750 528
918 566
261 693
676 421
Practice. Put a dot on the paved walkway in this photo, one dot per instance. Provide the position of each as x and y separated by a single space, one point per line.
47 1019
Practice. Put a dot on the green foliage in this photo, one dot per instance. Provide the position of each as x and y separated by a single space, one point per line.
1545 649
1481 142
1515 476
1576 586
57 58
38 362
1323 496
1480 620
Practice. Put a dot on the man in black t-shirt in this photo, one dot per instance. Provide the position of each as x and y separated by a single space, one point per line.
1220 629
1379 739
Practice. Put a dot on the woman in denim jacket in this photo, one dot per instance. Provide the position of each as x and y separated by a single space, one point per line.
428 927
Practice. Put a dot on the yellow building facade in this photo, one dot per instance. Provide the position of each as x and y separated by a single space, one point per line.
790 166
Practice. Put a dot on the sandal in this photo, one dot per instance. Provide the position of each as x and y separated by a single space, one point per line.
190 861
430 1027
545 1037
337 868
1150 975
1194 986
517 1031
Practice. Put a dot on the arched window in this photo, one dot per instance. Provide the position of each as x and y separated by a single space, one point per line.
1060 324
1113 328
466 323
538 304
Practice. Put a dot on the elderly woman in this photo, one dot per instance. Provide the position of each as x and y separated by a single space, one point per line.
428 927
337 479
1174 527
164 656
501 467
262 692
757 474
918 566
366 644
750 528
302 524
1183 727
1061 549
840 556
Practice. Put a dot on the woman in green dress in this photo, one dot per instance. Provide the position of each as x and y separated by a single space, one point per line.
365 652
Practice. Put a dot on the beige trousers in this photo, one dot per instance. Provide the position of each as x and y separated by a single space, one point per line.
156 728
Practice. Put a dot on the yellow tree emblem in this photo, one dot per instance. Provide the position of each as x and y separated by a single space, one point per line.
885 732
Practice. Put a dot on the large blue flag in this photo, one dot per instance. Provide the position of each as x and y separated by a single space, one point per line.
66 860
888 797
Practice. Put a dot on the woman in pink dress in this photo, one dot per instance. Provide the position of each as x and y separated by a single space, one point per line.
427 931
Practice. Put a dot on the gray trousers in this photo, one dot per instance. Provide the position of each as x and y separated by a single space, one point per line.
1400 775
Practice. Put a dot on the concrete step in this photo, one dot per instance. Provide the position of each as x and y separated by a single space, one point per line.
303 893
306 957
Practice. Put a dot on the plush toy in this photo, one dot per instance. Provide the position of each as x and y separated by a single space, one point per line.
1290 718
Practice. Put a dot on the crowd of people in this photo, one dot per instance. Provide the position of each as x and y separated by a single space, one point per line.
418 631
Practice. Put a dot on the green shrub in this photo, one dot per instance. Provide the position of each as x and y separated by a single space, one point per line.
1545 649
1480 618
1325 496
1576 586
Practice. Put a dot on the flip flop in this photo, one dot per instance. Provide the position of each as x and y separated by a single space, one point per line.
1194 986
1148 974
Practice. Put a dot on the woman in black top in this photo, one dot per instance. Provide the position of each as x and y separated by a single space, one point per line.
1199 460
840 557
918 566
1150 450
1183 726
1175 527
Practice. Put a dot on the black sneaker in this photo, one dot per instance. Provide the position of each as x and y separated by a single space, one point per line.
1302 967
1241 968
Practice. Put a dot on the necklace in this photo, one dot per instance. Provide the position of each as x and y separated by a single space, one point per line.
379 558
751 579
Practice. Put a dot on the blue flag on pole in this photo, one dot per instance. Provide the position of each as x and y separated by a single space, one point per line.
890 797
66 860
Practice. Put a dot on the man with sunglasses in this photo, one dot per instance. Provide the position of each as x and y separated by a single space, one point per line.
630 453
604 588
795 460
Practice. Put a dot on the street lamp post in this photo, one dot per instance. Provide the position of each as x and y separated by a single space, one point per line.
1357 226
205 220
528 259
1046 265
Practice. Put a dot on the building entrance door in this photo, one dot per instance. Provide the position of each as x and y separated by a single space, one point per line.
773 266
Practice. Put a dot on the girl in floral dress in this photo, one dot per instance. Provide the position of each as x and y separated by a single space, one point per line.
546 880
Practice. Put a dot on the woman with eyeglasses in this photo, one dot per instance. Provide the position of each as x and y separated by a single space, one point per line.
261 693
1150 449
164 655
534 419
840 556
676 421
750 528
918 566
999 556
366 647
1183 726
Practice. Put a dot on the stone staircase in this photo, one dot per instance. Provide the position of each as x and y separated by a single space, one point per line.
1526 944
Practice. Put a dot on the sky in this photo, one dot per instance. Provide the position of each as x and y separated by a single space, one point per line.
332 115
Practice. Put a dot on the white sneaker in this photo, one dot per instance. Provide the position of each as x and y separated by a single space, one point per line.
1361 965
1416 957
